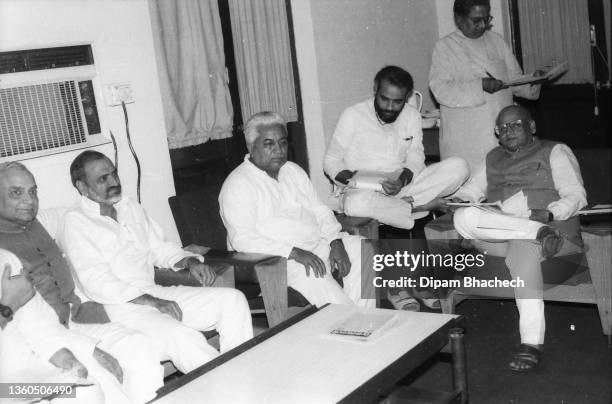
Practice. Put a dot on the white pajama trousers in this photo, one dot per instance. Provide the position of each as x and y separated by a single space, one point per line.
142 372
320 291
436 180
203 308
515 241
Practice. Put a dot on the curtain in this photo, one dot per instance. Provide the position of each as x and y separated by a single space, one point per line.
193 78
553 31
263 57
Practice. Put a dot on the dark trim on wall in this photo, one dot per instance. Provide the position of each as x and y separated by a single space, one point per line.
299 140
515 31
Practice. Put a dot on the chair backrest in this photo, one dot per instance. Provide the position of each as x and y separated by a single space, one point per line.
595 168
197 218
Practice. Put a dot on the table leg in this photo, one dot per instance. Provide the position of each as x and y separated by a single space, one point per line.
459 363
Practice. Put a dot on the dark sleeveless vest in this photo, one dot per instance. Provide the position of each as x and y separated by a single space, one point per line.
527 170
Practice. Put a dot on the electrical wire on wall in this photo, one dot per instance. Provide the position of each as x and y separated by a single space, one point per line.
596 51
115 148
129 139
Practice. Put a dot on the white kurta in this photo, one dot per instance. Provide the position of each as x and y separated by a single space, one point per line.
264 215
34 335
114 263
468 113
362 142
515 235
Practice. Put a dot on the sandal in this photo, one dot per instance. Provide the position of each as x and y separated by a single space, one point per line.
403 301
428 298
527 358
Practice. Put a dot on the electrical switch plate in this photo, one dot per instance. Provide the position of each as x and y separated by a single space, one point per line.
119 92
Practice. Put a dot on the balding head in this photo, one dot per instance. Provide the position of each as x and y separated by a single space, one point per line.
514 127
18 195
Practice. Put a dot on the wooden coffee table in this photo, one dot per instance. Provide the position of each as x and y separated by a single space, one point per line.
295 362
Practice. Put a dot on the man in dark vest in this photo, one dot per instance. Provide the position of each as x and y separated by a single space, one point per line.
540 190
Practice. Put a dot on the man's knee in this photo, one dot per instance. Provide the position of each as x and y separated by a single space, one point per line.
465 219
457 168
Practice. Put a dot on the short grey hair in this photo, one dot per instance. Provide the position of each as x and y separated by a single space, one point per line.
12 165
265 118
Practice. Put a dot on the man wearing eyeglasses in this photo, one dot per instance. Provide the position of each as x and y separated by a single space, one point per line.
544 178
468 71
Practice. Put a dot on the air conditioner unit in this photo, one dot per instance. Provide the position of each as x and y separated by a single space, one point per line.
48 111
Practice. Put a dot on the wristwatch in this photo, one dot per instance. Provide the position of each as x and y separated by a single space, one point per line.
6 312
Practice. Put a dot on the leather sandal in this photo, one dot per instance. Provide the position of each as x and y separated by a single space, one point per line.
403 301
527 358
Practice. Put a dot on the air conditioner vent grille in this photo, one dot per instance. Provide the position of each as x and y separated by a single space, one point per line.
46 58
40 117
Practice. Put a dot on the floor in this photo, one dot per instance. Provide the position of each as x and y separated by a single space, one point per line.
576 368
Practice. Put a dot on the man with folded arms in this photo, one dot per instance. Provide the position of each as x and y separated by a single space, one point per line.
269 206
114 246
22 233
548 175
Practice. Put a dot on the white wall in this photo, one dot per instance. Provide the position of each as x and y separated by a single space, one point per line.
120 34
341 44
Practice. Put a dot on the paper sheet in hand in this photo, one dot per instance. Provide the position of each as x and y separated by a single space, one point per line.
362 327
549 75
366 179
460 204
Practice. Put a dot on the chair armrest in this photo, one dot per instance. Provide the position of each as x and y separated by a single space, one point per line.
238 258
168 277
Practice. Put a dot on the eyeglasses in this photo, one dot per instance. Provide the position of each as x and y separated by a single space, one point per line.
514 126
485 20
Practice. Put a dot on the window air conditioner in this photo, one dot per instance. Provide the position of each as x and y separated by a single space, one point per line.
48 111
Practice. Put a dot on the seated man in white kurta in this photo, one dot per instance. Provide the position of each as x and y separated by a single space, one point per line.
384 134
269 206
545 175
35 348
114 246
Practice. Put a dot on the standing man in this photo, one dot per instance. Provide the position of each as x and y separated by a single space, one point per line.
383 134
468 71
114 246
548 175
269 206
137 363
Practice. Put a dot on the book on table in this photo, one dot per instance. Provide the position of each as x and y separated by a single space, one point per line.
362 326
370 179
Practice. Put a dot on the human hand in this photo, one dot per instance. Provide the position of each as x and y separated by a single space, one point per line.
392 187
491 85
339 259
309 260
16 290
108 362
541 215
165 306
197 249
203 273
64 359
344 176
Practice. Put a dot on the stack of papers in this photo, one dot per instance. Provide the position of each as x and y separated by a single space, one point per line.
553 73
366 179
363 327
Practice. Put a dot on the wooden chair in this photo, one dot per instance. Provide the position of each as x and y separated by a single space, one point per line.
197 218
566 279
